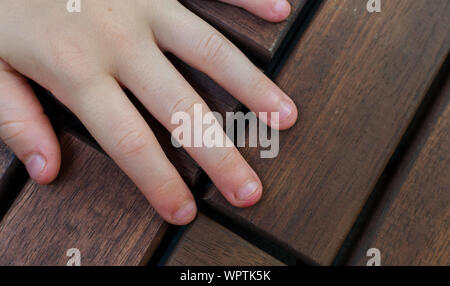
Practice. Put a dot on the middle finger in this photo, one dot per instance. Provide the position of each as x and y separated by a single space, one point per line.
164 92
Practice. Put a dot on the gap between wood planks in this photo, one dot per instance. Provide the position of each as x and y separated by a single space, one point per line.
379 190
15 179
271 69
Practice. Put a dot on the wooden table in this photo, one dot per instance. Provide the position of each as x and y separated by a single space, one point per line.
366 167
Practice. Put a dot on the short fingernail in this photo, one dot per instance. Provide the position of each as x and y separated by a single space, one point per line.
35 164
285 110
281 6
185 213
247 191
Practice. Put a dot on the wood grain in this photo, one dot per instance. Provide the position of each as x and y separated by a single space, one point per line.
6 160
358 78
11 176
91 206
258 36
412 223
206 243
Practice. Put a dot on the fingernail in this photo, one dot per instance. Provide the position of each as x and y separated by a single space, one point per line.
247 191
35 164
185 212
281 6
285 111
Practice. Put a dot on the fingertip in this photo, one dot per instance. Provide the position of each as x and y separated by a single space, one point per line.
185 214
173 201
236 180
49 174
282 112
291 114
43 169
248 194
47 159
279 11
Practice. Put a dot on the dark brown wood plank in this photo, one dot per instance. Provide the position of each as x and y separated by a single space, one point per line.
250 32
206 243
358 78
411 225
6 159
91 206
11 176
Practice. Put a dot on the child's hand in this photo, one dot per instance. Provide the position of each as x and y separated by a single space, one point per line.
82 57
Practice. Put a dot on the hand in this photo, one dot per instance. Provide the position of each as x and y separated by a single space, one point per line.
82 57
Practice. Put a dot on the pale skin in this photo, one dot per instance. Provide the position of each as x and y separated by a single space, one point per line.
86 58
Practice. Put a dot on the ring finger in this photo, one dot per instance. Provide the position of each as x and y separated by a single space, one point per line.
118 127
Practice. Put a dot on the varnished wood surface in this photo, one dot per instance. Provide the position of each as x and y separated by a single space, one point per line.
6 156
258 36
358 79
206 243
9 168
6 159
412 223
92 206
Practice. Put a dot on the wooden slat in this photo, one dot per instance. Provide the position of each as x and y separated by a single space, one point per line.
412 223
358 79
91 206
250 32
11 177
6 160
206 243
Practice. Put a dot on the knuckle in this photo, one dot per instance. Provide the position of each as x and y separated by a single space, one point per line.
214 49
120 36
11 130
68 62
117 33
131 143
